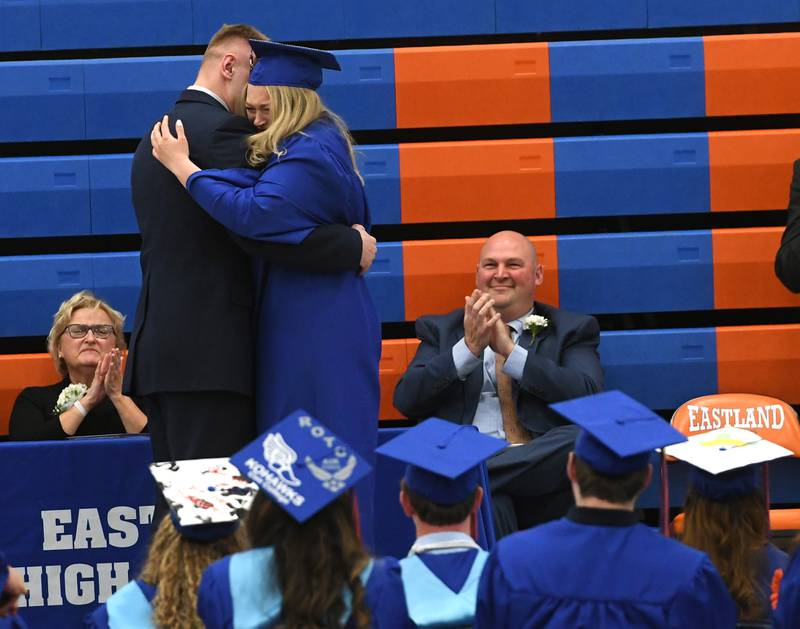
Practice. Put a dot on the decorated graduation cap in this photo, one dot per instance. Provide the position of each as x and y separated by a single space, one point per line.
442 458
301 465
292 66
206 497
618 433
724 460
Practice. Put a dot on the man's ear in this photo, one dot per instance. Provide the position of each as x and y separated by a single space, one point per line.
405 503
227 65
571 474
478 499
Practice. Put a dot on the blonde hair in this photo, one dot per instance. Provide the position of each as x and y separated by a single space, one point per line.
62 317
174 566
292 109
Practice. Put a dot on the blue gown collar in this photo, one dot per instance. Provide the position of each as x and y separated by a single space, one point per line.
603 517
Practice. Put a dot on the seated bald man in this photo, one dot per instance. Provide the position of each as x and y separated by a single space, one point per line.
497 364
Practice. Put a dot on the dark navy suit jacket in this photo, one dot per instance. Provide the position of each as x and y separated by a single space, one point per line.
562 363
194 327
787 260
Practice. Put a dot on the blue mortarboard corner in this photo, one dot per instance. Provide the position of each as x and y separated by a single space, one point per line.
292 66
301 465
618 432
443 458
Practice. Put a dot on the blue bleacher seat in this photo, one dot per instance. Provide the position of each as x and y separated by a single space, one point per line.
627 79
661 368
111 206
124 97
418 18
618 175
523 16
117 278
44 196
385 282
299 20
42 100
70 24
363 92
32 287
380 167
664 13
20 25
636 272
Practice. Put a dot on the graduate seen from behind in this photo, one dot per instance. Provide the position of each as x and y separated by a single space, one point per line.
206 497
598 567
440 492
726 517
307 566
319 341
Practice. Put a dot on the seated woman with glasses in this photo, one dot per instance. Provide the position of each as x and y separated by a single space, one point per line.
86 344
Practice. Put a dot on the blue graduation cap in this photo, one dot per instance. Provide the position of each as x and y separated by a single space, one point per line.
443 458
725 485
292 66
618 432
301 465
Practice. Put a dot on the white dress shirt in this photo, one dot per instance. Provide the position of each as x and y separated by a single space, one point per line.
488 417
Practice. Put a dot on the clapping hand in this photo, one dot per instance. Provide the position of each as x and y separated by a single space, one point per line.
97 390
112 383
479 321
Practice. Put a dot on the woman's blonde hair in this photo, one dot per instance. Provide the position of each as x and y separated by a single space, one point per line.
174 566
61 319
292 109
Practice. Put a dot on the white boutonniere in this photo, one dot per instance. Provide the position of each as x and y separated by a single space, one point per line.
68 396
534 324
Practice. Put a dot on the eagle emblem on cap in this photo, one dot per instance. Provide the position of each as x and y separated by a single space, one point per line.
333 480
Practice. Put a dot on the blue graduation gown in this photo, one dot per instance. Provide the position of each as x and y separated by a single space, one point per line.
241 591
440 586
318 338
599 569
787 615
127 608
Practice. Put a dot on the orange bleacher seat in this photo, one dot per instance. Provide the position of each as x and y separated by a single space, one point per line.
18 371
450 86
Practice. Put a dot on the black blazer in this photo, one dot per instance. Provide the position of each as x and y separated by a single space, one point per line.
194 327
787 260
562 363
32 417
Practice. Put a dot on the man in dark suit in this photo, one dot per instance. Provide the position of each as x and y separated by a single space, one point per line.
787 260
497 364
191 351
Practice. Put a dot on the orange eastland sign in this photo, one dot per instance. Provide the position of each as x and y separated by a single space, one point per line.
769 417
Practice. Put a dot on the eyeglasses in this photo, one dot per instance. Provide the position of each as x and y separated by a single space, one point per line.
79 330
252 60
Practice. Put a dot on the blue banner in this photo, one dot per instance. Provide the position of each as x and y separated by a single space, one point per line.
75 522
